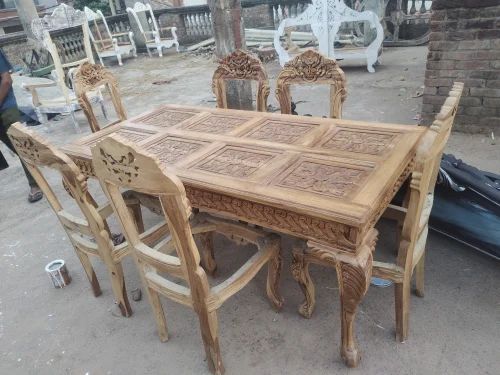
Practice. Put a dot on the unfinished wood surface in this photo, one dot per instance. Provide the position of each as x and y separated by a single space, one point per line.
90 78
121 164
323 180
310 67
89 235
241 65
414 217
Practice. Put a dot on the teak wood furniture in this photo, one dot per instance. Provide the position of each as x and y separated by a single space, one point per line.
90 236
88 79
125 165
413 218
241 65
310 67
323 180
152 34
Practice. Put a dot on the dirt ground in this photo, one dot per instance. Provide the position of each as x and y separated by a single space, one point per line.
455 329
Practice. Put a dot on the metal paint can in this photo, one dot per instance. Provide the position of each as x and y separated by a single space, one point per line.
58 273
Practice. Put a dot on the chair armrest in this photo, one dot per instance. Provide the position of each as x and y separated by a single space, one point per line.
30 86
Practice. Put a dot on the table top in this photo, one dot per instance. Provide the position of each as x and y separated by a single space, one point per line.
342 171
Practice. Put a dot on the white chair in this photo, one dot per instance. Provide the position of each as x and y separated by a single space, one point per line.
325 18
145 19
64 100
106 43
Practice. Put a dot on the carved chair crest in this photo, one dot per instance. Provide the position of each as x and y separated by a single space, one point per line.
62 17
89 78
311 67
241 65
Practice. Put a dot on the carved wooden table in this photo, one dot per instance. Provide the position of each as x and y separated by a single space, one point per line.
323 180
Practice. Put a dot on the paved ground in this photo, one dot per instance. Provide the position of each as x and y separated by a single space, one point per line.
455 329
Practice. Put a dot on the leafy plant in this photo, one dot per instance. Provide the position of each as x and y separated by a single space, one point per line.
101 5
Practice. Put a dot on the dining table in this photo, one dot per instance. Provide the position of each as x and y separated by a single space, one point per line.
321 180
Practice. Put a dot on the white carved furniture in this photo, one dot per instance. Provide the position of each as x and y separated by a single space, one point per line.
152 34
108 44
325 18
324 180
65 101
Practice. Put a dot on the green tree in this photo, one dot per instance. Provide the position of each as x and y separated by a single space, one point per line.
102 5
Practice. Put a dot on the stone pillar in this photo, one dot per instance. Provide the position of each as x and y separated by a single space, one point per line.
229 34
27 12
465 46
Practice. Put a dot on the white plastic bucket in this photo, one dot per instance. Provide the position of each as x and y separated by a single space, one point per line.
58 273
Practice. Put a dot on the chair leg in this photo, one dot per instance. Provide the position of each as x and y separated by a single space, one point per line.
135 210
160 51
161 322
300 272
89 271
75 122
119 57
119 289
209 333
207 252
419 276
402 296
274 266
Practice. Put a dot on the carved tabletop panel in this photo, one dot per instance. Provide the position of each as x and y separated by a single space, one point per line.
234 161
279 131
319 177
169 150
165 118
216 124
359 142
131 135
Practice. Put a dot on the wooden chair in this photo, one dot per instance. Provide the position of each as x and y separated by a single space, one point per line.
106 43
310 67
241 65
119 164
414 214
154 36
90 236
88 79
66 101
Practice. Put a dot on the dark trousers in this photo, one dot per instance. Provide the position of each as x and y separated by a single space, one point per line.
7 118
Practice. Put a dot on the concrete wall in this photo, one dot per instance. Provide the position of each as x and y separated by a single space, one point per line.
465 46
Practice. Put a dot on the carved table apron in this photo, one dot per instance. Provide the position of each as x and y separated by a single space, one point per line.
326 181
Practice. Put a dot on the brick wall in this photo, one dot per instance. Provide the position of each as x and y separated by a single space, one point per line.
465 46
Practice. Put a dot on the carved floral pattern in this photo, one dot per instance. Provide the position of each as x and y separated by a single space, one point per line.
278 131
304 226
216 124
359 142
241 65
123 167
165 118
235 162
324 179
171 150
307 68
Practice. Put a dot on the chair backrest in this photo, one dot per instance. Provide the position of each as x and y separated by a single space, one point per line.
60 68
241 65
36 152
99 31
120 164
310 67
145 19
423 180
90 78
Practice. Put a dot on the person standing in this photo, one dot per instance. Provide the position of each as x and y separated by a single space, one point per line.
9 114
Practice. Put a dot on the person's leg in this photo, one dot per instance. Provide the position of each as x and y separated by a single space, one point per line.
7 118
